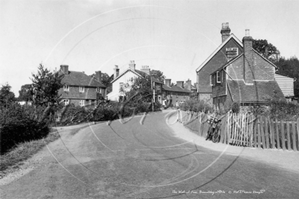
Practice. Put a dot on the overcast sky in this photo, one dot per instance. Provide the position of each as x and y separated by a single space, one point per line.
173 36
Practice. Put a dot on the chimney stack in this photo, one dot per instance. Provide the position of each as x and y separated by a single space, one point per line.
225 31
98 76
116 69
146 69
248 58
132 65
188 84
179 84
64 69
168 82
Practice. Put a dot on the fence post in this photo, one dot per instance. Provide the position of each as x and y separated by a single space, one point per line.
267 133
288 134
272 133
294 136
277 134
262 132
282 135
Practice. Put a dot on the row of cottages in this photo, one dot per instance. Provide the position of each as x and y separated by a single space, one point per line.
235 72
121 84
80 89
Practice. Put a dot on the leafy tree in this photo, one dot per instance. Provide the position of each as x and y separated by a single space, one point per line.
106 80
266 49
6 96
158 75
289 67
46 85
26 93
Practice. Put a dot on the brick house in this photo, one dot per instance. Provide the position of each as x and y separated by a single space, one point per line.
248 78
230 47
176 93
121 83
80 89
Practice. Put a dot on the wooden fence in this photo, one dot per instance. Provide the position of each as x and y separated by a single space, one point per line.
248 130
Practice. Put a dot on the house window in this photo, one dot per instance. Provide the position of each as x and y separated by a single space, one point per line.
66 102
232 52
219 76
66 88
98 90
81 89
213 79
82 102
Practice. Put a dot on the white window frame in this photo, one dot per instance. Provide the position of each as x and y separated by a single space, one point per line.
212 79
66 88
98 90
66 102
81 89
219 76
82 102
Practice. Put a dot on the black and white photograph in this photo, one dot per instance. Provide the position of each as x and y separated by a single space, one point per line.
149 99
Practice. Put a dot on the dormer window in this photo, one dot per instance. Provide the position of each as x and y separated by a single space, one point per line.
232 52
81 89
66 88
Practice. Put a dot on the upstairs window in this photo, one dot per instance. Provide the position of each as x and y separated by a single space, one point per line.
66 88
82 102
219 76
66 102
81 89
232 52
98 90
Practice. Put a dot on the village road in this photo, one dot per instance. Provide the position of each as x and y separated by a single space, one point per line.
143 158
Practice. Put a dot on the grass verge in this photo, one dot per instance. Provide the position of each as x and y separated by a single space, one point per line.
25 150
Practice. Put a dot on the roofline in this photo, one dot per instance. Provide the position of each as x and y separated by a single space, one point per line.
228 63
124 73
217 50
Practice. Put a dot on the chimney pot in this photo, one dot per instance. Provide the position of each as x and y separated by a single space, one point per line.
132 65
168 82
116 69
225 31
64 69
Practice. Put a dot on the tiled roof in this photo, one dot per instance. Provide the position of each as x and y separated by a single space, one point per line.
75 78
175 89
259 92
89 93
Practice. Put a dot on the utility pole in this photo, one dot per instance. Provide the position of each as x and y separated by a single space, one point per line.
153 94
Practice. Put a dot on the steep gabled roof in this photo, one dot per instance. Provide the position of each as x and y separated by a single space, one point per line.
232 36
136 72
74 78
260 92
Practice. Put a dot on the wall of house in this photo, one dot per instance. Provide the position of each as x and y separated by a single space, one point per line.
176 96
286 85
126 78
214 64
220 89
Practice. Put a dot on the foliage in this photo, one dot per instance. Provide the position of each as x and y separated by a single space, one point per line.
6 96
195 106
46 85
235 107
158 75
26 93
290 68
17 125
266 49
284 110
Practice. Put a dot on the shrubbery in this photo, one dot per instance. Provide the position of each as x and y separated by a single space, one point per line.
195 106
17 124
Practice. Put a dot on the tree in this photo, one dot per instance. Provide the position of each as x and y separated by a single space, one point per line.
106 80
6 96
289 67
46 85
158 75
26 93
266 49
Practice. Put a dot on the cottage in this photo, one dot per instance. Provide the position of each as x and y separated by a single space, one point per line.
122 82
248 78
230 47
79 88
175 93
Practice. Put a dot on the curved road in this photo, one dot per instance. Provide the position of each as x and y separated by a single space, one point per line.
144 158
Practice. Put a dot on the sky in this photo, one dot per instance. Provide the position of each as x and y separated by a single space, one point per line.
174 36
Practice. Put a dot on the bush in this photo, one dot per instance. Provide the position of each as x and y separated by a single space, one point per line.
195 106
18 125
